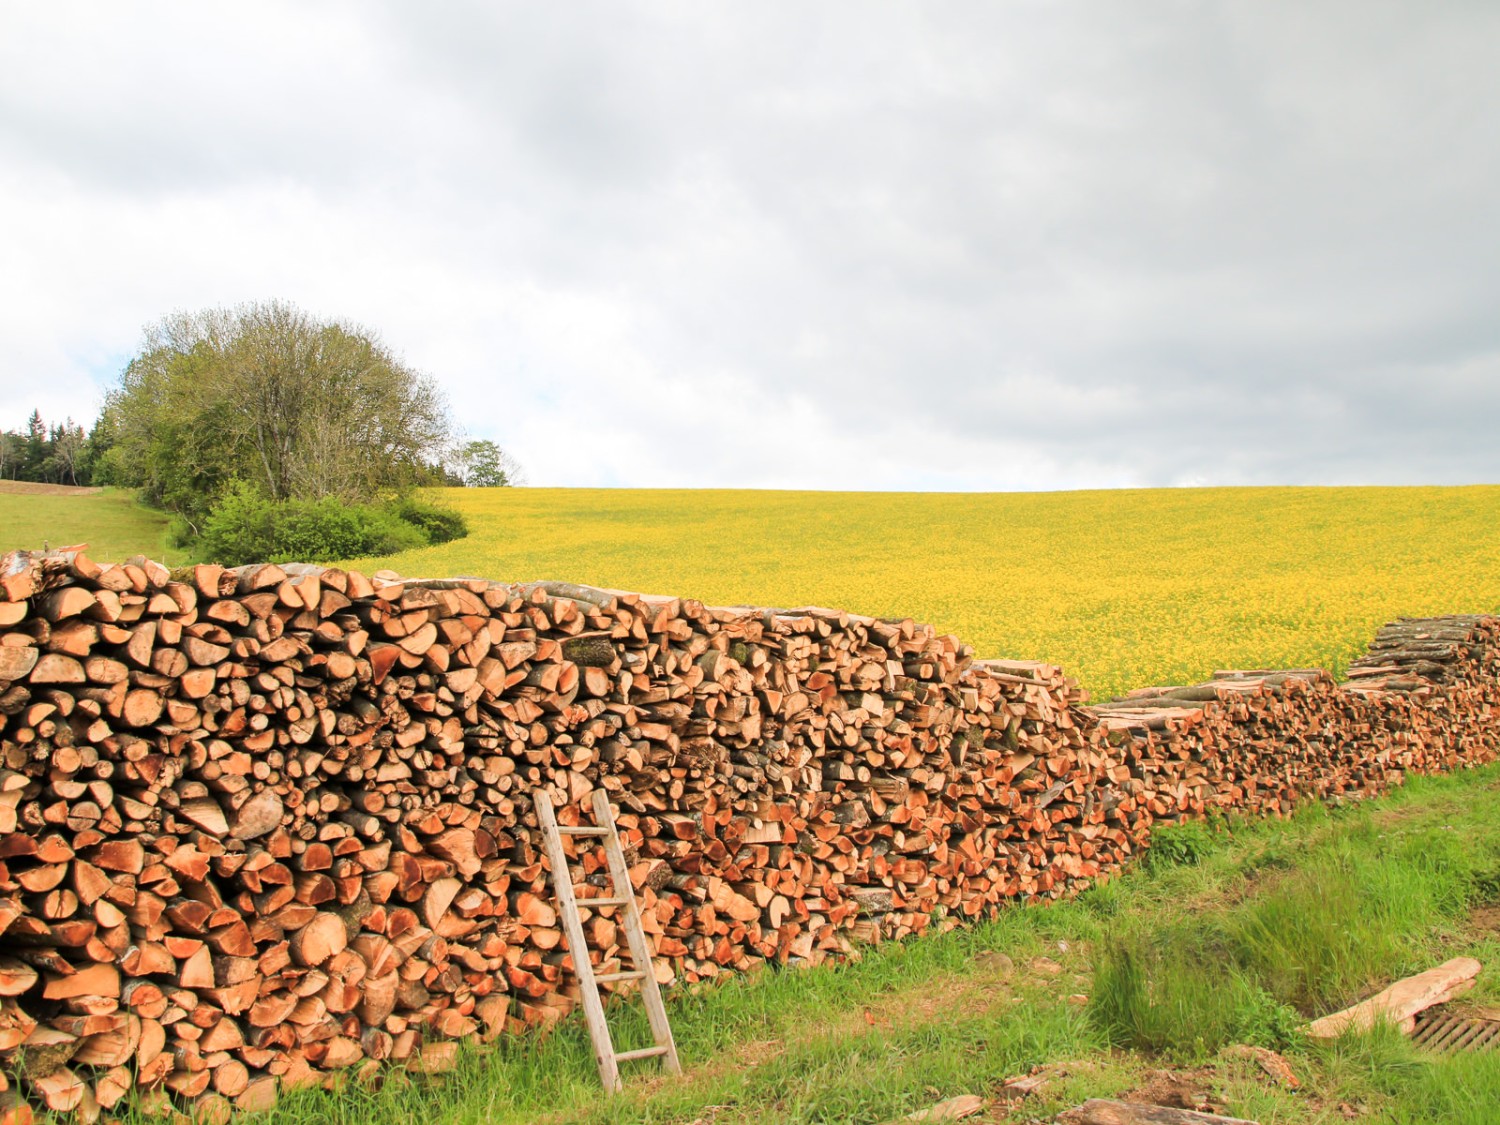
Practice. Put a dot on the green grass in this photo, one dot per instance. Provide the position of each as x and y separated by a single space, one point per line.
1366 904
110 521
1250 931
1122 588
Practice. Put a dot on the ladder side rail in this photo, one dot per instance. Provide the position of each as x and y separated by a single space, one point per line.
656 1011
593 1007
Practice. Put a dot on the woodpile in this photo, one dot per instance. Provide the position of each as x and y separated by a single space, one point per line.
261 825
1425 698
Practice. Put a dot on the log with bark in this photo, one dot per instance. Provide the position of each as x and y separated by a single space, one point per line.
1400 1004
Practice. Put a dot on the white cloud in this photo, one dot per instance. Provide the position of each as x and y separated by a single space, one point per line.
971 246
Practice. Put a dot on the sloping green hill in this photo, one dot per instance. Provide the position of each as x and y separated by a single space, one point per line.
1123 588
108 519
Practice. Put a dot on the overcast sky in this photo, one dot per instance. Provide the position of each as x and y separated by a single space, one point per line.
831 245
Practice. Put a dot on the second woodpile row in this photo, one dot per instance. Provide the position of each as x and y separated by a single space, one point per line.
261 825
1424 699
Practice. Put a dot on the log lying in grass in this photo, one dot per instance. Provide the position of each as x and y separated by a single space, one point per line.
950 1109
257 825
1400 1004
1102 1111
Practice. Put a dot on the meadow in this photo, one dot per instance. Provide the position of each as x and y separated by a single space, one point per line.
1123 588
109 520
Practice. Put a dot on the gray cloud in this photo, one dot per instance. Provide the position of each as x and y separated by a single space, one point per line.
960 246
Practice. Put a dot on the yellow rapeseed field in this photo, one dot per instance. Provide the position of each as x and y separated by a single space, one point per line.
1123 588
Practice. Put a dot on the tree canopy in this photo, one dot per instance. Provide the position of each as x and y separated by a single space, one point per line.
264 393
57 454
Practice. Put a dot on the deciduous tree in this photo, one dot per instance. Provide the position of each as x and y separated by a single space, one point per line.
483 464
300 407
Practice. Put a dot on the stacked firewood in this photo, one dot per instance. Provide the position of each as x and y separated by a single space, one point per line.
260 825
1425 698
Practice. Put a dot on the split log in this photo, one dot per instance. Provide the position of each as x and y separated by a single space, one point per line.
1401 1002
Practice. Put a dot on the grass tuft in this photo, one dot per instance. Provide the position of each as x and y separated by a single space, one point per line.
1176 992
1328 912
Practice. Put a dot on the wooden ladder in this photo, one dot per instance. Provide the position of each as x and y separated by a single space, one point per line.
623 896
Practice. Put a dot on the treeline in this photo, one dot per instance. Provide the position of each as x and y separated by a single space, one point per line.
64 453
271 435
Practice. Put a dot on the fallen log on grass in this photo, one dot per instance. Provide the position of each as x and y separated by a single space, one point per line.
1102 1111
1399 1004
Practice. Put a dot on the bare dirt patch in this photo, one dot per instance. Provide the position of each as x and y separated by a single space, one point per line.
1177 1089
747 1056
31 488
999 982
1395 815
1486 919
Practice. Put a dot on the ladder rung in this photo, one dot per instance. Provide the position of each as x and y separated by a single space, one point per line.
628 974
582 830
643 1053
591 902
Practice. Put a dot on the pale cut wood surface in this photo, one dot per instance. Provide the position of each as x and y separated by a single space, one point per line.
1400 1003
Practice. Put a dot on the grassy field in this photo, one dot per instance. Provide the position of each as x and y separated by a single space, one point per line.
1123 588
1235 940
107 519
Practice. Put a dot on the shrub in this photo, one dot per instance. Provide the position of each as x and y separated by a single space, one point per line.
438 522
181 533
245 527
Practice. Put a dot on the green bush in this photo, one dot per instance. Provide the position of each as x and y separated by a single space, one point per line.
245 527
439 523
181 533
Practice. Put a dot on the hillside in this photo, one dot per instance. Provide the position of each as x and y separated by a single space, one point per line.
108 519
1246 965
